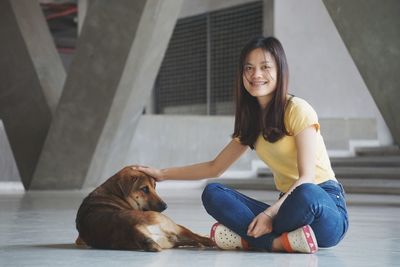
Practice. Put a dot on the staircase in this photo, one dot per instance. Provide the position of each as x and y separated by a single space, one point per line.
371 171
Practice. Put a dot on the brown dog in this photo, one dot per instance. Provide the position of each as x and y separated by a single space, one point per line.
124 213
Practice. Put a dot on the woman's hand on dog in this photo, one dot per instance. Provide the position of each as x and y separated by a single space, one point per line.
153 172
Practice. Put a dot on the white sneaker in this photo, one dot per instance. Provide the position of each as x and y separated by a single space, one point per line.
300 240
225 238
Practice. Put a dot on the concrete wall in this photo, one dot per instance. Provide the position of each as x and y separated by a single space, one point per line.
370 30
173 140
312 43
321 69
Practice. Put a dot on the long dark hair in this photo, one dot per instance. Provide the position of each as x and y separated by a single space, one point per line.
250 121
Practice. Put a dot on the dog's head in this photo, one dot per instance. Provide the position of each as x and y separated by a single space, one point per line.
136 188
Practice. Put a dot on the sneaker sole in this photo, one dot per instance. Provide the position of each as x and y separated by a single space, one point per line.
224 246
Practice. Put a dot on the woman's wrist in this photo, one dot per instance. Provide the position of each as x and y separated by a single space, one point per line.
268 215
163 174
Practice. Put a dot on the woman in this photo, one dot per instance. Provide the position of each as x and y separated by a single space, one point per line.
284 131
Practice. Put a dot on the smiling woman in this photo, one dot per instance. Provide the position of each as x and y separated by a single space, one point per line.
284 131
261 91
259 75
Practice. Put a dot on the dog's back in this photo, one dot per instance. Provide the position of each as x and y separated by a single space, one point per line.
95 223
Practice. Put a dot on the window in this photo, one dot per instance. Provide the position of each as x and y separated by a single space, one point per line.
197 75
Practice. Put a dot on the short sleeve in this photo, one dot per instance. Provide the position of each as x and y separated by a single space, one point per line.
237 139
300 115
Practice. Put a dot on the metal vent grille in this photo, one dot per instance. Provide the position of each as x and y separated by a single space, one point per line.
198 72
182 80
230 30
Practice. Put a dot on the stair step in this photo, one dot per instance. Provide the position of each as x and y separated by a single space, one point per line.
351 185
354 172
378 151
366 161
368 172
371 186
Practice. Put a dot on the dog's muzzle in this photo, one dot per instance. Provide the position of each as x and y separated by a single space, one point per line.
161 206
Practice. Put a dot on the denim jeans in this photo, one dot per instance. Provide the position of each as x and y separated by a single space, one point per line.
321 206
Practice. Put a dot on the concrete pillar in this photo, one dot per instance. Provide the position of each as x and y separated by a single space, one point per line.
8 168
83 6
370 31
41 48
31 81
116 62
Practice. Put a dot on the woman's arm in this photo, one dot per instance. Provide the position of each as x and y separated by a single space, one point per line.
306 142
229 154
306 149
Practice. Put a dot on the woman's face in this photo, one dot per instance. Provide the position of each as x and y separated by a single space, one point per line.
259 75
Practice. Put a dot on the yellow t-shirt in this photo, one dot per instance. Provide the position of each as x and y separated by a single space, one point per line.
281 156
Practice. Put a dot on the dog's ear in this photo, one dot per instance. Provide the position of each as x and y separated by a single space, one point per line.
122 183
126 185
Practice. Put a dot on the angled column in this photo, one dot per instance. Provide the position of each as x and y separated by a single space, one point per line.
117 59
41 48
370 31
31 81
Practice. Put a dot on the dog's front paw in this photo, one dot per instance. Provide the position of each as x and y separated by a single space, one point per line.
79 242
150 246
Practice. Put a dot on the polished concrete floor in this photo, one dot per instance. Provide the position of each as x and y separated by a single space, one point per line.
37 229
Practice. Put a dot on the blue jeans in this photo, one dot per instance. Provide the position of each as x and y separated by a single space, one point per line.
321 206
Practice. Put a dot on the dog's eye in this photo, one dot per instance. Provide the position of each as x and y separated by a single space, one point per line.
145 189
